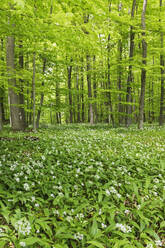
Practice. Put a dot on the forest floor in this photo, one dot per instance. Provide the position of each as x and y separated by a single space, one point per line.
80 186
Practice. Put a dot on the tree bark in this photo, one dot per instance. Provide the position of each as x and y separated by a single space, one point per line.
69 69
82 93
90 113
21 93
128 119
16 111
78 95
34 91
110 115
120 107
95 89
143 70
42 97
161 115
1 122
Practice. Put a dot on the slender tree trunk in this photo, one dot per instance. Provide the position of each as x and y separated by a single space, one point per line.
162 98
128 119
1 122
16 117
78 95
21 94
120 107
34 91
42 97
143 70
2 93
95 90
82 94
110 117
91 120
69 69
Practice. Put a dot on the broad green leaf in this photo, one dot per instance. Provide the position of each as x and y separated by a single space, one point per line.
96 244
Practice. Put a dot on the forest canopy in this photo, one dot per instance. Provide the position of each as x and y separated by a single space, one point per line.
81 61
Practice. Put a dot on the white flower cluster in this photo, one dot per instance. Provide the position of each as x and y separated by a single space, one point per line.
1 232
113 191
23 244
26 186
124 228
149 245
23 226
78 236
158 243
103 225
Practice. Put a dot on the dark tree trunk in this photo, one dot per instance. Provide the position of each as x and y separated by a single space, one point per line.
162 98
42 97
128 119
34 91
2 90
95 90
143 70
69 69
78 95
82 94
21 93
110 115
120 107
1 122
90 112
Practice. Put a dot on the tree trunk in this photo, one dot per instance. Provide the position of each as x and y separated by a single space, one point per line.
161 115
1 122
110 115
34 91
69 69
95 90
78 95
21 93
130 74
90 117
82 94
16 112
42 97
120 107
143 70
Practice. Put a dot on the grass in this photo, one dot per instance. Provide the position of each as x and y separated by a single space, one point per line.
80 186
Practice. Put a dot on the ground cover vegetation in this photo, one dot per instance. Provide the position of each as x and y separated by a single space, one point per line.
95 61
83 186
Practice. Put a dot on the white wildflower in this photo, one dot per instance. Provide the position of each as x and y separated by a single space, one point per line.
33 198
43 157
78 236
103 225
118 195
124 228
23 244
23 226
149 245
158 243
26 186
107 192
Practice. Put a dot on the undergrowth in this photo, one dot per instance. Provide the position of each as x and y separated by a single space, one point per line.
80 186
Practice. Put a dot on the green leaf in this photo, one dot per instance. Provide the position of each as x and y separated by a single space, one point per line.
30 240
94 229
96 244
